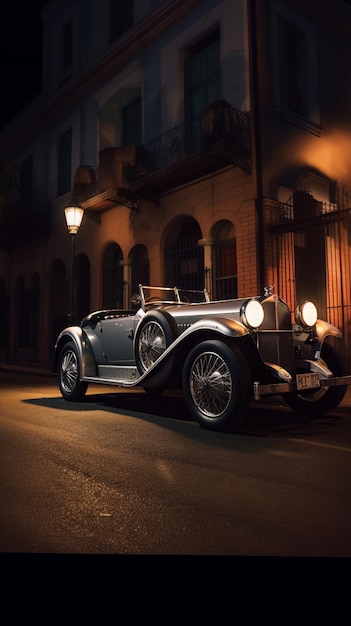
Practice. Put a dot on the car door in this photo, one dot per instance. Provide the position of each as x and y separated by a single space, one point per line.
114 339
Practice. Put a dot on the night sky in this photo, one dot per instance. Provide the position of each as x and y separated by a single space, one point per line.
20 54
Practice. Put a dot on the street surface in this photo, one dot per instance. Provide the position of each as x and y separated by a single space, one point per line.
122 473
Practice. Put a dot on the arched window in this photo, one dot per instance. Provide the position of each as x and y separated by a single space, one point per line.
184 258
112 277
225 261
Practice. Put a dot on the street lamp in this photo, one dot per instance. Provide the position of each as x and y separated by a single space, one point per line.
74 215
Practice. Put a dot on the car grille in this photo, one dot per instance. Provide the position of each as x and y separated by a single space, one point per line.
275 345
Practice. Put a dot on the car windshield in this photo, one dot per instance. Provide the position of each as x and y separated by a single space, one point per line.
149 294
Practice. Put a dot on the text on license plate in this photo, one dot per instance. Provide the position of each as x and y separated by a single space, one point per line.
309 380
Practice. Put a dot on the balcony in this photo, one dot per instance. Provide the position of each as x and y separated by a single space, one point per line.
218 137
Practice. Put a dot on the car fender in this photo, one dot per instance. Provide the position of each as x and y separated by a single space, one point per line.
217 325
196 332
222 325
201 330
324 329
302 339
225 329
72 333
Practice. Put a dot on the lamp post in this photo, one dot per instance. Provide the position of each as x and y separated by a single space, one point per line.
74 215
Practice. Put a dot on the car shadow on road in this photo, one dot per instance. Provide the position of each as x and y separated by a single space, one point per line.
272 419
264 419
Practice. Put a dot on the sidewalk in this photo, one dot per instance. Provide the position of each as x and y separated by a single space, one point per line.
25 369
46 372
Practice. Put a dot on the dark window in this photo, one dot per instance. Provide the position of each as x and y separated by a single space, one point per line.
121 17
112 278
140 267
226 276
293 57
225 262
64 162
202 75
66 45
184 258
131 124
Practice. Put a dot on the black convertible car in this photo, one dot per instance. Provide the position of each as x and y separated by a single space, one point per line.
222 354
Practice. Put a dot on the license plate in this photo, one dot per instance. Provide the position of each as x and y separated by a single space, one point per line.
310 380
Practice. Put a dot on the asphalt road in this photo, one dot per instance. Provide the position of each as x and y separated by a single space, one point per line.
124 474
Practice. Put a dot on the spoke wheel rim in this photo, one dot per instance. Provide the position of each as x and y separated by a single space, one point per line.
152 344
211 384
69 371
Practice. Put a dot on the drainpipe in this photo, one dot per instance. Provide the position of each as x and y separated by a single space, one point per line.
256 137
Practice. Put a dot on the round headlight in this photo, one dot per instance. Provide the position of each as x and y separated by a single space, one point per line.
306 314
253 314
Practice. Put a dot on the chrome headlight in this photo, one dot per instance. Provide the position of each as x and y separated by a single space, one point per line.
306 314
252 314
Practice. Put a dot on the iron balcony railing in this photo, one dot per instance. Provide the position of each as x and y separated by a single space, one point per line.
218 124
303 209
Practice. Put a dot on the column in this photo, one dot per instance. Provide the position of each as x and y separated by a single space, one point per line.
127 282
207 246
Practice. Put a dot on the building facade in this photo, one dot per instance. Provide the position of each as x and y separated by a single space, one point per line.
209 144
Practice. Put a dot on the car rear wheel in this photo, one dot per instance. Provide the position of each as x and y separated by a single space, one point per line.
217 385
68 371
317 402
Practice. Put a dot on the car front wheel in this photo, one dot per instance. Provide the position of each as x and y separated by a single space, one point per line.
216 385
68 372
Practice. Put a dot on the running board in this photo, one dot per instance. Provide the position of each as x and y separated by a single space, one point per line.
119 375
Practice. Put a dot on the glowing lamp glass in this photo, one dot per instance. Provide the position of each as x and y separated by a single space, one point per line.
74 216
306 314
253 314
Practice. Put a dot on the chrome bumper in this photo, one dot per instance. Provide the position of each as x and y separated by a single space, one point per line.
288 387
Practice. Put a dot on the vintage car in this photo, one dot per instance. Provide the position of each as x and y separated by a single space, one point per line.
222 354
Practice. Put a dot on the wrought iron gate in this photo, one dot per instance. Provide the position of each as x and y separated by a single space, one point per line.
312 257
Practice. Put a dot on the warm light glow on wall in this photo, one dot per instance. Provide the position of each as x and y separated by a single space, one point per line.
332 156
